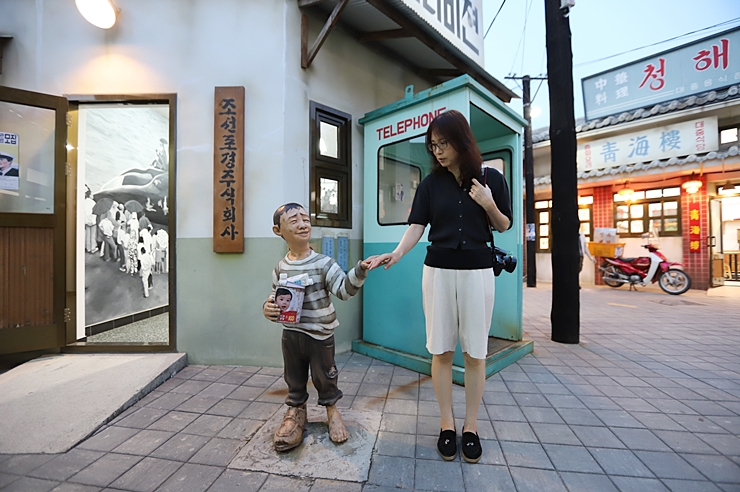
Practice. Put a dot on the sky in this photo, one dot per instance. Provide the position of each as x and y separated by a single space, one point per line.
599 28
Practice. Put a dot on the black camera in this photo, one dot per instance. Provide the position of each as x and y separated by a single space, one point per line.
502 261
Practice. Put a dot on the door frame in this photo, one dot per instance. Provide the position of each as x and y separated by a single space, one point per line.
75 100
715 218
45 338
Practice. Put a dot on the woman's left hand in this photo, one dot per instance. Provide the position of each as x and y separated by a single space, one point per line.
481 194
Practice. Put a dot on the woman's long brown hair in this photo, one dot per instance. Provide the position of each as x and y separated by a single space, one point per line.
454 128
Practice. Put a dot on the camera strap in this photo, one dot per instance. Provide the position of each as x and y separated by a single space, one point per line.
490 230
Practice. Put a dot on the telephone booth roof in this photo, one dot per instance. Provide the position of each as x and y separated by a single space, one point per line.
491 105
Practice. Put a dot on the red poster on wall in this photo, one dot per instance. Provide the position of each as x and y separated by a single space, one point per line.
694 228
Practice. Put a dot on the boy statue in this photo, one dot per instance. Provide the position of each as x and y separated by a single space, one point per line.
310 342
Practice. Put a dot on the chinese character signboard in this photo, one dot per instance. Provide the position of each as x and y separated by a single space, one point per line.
682 139
458 21
228 170
694 228
9 159
702 66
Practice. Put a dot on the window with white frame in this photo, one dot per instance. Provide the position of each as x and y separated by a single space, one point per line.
657 210
542 213
586 216
543 218
729 136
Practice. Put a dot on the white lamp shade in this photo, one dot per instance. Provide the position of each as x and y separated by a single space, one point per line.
728 189
99 13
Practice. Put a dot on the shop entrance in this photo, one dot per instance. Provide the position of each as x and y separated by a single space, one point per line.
121 152
395 163
724 242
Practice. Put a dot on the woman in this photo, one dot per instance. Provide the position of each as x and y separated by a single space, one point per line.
457 280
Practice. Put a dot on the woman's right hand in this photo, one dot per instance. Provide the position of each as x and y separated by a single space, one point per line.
408 241
271 310
387 259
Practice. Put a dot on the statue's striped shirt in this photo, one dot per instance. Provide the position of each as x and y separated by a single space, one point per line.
318 318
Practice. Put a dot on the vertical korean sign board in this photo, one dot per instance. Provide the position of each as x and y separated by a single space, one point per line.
228 170
459 21
702 66
694 227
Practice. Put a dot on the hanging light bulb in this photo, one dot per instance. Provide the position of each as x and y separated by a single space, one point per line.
626 191
728 189
692 186
99 13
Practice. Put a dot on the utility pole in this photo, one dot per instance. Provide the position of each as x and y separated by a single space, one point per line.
565 312
529 181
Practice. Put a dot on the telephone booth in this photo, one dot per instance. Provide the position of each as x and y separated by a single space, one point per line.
395 163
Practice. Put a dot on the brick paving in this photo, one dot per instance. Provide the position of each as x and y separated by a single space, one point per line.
649 401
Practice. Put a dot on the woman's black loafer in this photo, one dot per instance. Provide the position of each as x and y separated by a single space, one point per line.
447 445
471 449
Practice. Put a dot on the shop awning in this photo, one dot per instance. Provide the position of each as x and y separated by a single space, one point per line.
393 29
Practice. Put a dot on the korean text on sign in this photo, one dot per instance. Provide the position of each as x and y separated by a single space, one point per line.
228 199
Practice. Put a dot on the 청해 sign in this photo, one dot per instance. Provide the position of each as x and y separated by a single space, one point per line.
706 65
682 139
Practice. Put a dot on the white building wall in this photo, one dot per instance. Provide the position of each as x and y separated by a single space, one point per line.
188 48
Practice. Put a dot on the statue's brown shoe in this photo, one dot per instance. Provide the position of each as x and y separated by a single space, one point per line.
290 433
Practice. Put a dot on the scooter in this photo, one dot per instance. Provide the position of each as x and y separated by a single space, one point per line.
645 270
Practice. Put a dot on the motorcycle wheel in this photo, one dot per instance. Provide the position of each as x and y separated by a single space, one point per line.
613 272
674 281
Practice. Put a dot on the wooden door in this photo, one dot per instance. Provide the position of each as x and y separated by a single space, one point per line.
33 247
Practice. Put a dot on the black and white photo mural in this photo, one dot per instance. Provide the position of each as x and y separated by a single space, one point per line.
123 216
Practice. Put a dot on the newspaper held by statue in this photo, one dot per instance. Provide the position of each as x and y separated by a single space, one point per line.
289 297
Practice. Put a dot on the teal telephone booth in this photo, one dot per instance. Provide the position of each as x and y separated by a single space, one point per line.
395 163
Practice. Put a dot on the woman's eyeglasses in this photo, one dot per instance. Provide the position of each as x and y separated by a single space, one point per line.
434 146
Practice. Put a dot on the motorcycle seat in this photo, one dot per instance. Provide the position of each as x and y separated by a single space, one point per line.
626 260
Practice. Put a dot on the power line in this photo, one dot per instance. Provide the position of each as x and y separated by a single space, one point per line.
524 33
659 42
521 39
494 18
538 90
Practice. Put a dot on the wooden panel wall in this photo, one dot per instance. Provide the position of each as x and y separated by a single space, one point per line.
26 276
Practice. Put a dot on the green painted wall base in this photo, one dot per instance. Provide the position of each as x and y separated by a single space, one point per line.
495 362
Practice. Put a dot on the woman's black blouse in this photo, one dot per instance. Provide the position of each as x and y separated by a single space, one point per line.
459 227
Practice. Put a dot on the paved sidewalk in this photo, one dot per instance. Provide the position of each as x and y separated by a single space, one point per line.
649 401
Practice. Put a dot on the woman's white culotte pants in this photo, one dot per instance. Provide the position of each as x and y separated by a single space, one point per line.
458 304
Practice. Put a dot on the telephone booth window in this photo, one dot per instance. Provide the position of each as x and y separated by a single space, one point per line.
497 163
401 167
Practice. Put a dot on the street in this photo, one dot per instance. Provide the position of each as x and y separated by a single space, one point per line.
649 401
